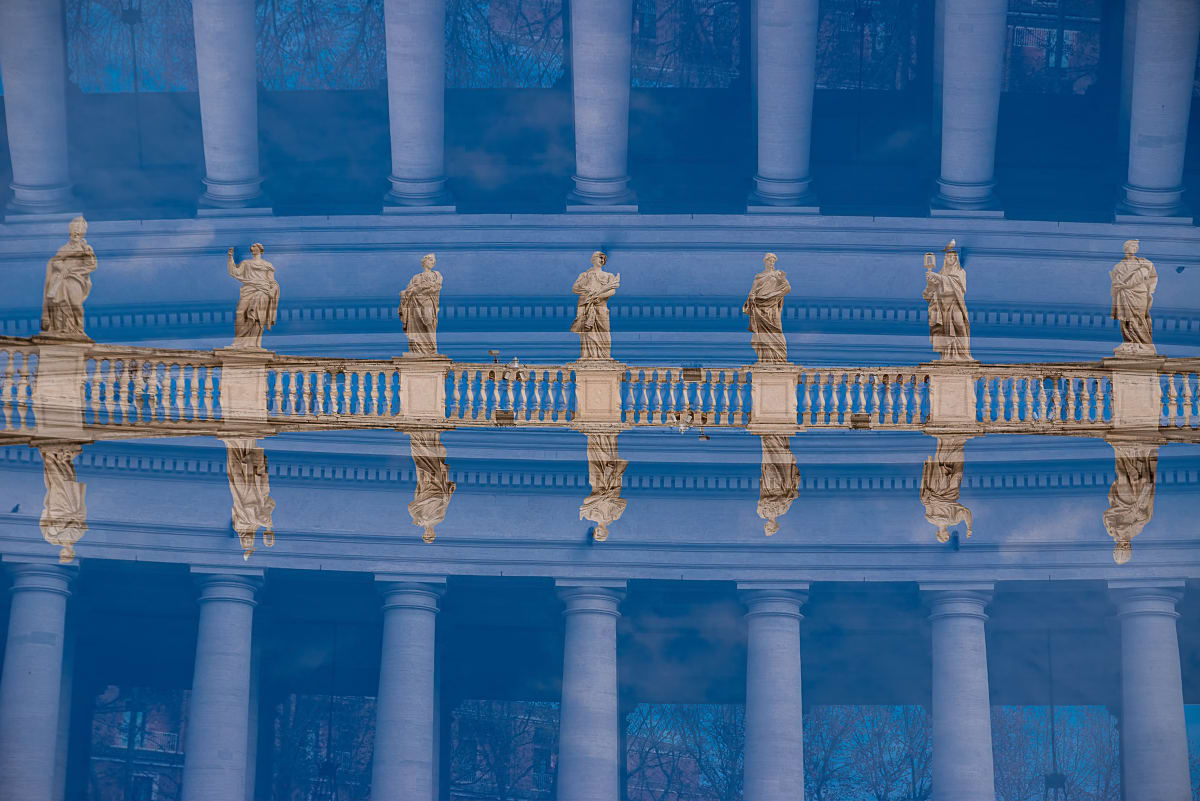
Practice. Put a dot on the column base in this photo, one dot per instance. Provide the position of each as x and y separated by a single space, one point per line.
418 196
232 199
955 199
603 195
772 196
42 203
1142 205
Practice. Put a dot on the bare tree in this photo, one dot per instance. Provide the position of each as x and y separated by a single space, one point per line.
494 742
504 44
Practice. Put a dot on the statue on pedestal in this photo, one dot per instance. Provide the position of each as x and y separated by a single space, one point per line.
945 292
604 506
258 302
765 309
434 487
419 308
68 282
1133 283
1131 497
64 514
941 479
251 491
780 482
594 287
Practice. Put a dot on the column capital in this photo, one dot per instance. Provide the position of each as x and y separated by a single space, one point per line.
773 597
957 598
236 584
408 591
602 596
1146 596
43 574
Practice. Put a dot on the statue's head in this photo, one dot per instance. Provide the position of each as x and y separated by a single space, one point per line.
66 554
943 534
771 526
77 228
599 259
951 251
428 260
1130 247
600 532
246 554
256 249
769 261
429 534
1122 552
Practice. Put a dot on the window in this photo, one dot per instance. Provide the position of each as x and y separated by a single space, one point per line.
143 787
1053 47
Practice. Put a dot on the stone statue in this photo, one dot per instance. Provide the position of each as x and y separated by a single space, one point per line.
604 506
765 309
248 483
780 483
68 282
945 292
259 299
419 308
434 487
1131 497
1133 283
64 514
941 478
594 287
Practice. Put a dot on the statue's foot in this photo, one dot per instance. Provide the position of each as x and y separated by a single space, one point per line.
1134 349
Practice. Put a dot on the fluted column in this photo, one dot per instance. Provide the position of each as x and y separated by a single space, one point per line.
1164 62
601 53
35 105
589 735
405 709
31 684
1154 743
774 758
787 74
962 717
214 767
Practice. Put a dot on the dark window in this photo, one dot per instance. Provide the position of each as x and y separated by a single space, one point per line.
868 44
687 43
1053 46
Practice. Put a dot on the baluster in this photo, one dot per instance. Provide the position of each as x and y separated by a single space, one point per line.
1189 399
523 396
20 406
726 377
1053 408
91 378
1101 399
1172 401
818 412
1026 399
656 410
315 405
1069 406
840 398
469 379
509 378
389 390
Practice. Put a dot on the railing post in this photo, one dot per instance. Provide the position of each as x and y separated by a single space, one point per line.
773 407
598 392
58 388
422 387
243 385
1136 392
952 398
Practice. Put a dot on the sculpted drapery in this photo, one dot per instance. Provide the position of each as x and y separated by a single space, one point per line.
594 287
945 292
604 505
780 481
64 513
1131 496
68 283
941 479
419 308
764 306
258 302
434 487
251 491
1133 283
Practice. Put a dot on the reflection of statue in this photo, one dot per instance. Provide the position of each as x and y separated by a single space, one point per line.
434 487
1133 283
780 484
604 506
941 478
594 287
1131 497
259 299
765 308
64 515
68 282
248 483
945 291
419 308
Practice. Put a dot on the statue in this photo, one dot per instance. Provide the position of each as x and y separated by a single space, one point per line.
780 483
258 302
248 483
1133 283
68 282
941 478
419 308
64 514
434 487
1131 497
945 291
604 505
594 287
765 308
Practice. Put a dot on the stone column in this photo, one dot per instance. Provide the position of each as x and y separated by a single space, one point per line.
1154 745
787 75
225 71
32 67
416 73
1164 62
404 711
972 69
601 53
774 758
962 716
214 767
31 684
1128 32
589 755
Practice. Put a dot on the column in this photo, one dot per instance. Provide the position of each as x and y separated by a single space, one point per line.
972 68
1128 30
32 66
962 715
1164 63
1154 741
787 75
31 684
226 73
601 53
774 758
405 710
588 735
214 766
416 73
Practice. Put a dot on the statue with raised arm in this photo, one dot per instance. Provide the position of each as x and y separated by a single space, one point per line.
941 479
68 282
604 505
780 482
434 487
945 292
594 287
764 306
258 302
1131 497
251 491
1133 283
64 514
419 308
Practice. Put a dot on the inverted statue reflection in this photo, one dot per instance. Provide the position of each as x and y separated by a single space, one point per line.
945 292
594 287
1131 497
1133 283
258 302
251 491
780 481
68 282
941 479
419 308
604 505
434 487
64 513
764 306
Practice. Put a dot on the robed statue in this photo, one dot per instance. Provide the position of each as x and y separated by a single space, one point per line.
780 481
434 487
68 282
764 306
594 287
1131 496
419 308
64 515
604 505
1133 283
251 491
258 302
945 292
941 479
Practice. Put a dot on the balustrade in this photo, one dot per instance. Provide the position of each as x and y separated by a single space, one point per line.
1180 396
1028 397
18 374
674 395
862 397
326 390
125 387
493 394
